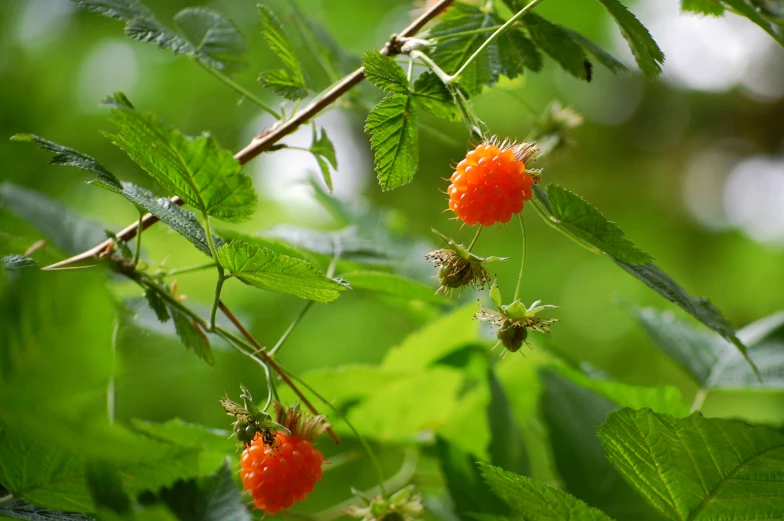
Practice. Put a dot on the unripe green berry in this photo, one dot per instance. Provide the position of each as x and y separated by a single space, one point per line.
511 335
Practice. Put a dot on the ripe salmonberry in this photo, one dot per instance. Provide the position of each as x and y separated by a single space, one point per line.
280 471
278 475
491 184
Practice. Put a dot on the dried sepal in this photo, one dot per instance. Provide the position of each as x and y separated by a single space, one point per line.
298 422
249 420
458 267
515 321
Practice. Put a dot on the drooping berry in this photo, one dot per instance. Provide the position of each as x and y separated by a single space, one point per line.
512 335
278 475
283 469
491 184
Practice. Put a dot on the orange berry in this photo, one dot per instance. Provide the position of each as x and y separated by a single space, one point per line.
491 184
280 475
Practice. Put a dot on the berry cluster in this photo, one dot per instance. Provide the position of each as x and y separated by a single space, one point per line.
490 184
281 473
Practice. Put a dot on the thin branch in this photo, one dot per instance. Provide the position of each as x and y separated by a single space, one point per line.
267 140
261 353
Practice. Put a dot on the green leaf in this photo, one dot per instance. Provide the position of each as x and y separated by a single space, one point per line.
140 23
347 240
393 285
744 9
649 56
16 262
195 168
507 55
708 7
215 39
290 81
209 36
715 363
158 305
64 156
699 307
397 413
557 42
467 490
576 215
602 56
179 219
572 406
384 73
106 489
208 499
698 469
45 474
263 268
191 335
18 509
324 151
67 230
430 94
534 501
507 446
392 125
437 339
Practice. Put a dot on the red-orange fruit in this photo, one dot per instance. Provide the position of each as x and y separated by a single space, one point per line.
490 185
277 476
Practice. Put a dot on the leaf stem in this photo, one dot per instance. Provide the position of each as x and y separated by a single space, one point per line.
509 23
476 237
138 253
189 269
239 89
365 445
257 351
699 399
522 263
221 272
291 328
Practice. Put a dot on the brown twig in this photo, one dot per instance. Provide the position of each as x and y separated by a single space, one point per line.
262 354
267 139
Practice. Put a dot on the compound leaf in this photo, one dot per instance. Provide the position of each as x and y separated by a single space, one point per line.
289 82
430 94
384 73
392 125
708 7
649 56
64 228
712 361
698 469
557 42
195 168
393 285
586 222
261 267
534 501
207 499
215 39
324 151
18 509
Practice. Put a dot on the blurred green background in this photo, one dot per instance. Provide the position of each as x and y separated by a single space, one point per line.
691 167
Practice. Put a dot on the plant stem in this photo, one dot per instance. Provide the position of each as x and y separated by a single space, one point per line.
476 237
291 327
699 399
509 23
110 386
189 269
365 445
256 350
242 91
522 264
266 140
221 272
424 58
138 253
